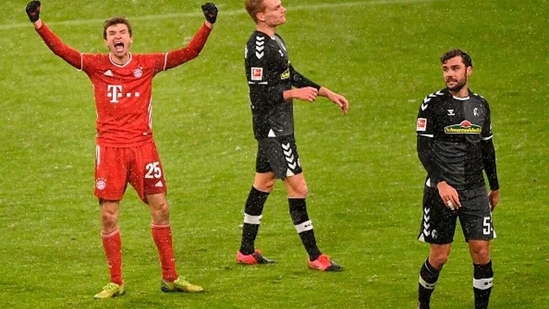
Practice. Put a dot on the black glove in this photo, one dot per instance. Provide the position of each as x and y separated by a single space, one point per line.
210 12
33 10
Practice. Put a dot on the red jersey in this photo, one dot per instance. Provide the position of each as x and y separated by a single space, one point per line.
123 93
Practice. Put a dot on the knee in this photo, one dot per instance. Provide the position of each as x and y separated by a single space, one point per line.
109 220
296 186
480 255
265 185
301 191
160 212
438 260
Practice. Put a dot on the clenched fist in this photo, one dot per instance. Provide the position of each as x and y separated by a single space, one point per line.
33 10
210 12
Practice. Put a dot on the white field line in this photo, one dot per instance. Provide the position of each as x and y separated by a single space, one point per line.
222 13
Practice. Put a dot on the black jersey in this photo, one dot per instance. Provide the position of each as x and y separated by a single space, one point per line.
269 74
455 140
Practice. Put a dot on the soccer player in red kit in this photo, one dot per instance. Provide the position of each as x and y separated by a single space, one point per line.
125 151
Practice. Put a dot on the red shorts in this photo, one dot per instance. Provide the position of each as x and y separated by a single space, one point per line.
139 166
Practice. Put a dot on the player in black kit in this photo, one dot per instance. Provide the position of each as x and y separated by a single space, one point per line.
273 84
454 144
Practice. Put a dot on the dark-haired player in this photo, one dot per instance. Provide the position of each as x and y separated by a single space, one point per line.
454 144
126 151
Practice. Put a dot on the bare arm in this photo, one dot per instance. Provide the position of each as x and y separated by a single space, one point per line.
336 98
307 90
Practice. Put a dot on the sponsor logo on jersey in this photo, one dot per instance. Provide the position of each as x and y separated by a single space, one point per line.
464 127
451 112
108 73
421 124
285 74
257 73
115 93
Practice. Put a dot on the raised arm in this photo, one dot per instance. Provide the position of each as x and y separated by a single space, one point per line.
67 53
195 46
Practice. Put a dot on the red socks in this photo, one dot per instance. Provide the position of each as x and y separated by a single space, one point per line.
162 236
112 244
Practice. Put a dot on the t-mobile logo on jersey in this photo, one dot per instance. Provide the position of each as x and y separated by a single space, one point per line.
115 92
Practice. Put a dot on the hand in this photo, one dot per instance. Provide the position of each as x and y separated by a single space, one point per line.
210 12
306 94
33 10
339 100
448 195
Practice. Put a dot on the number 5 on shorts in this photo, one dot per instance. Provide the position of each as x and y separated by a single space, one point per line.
487 226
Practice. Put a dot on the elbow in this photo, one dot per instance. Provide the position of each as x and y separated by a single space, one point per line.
194 53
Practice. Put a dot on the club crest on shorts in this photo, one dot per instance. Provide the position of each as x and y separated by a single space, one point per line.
100 184
434 234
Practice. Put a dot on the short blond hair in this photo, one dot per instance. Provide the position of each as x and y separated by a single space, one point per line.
253 7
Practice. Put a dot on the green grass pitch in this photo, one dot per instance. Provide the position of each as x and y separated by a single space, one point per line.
362 170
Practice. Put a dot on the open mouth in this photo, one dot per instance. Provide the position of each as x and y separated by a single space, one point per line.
119 46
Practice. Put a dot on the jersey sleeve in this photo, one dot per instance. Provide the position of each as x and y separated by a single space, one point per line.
54 43
489 162
425 115
187 53
300 81
425 137
263 78
489 152
487 126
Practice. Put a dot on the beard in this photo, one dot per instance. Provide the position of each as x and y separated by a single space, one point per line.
458 86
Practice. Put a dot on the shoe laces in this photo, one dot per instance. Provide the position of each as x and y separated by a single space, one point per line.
324 259
111 286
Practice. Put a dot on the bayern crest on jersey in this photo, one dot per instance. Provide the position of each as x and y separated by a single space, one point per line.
137 73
